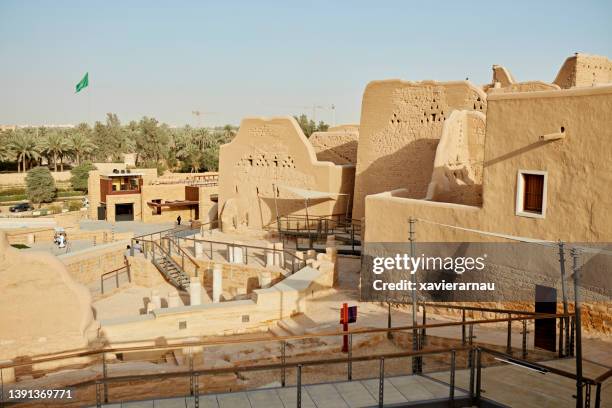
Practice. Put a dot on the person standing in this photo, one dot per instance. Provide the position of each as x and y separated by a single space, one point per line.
178 220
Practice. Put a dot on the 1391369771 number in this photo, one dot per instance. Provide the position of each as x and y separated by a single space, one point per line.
40 394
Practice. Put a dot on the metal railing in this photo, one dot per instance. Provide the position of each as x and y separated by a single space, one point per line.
471 348
116 272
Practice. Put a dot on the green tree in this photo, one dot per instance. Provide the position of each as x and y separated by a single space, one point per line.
152 140
40 186
309 126
110 139
79 176
79 142
55 145
25 147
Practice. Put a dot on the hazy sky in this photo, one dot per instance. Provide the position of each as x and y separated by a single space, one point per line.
236 59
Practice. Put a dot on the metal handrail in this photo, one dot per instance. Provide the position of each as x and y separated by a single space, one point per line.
357 331
116 272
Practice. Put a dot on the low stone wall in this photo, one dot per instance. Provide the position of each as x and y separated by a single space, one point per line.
88 265
33 235
263 308
17 180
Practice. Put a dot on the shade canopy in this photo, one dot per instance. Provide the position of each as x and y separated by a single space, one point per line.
311 194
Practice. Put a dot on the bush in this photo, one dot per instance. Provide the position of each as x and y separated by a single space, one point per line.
54 209
74 205
40 185
13 191
69 193
80 174
8 199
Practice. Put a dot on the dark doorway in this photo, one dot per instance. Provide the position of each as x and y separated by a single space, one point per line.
124 212
102 213
546 329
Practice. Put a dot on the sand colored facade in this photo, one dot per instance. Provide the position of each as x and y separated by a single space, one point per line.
584 70
147 197
338 145
44 310
558 134
266 155
458 163
401 125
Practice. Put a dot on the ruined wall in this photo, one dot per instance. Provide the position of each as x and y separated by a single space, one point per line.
274 152
42 309
503 81
579 172
337 146
458 165
86 266
584 70
401 124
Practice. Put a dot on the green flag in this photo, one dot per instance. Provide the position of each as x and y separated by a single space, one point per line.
83 83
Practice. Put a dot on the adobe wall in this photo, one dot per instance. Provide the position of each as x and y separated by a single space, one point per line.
401 124
337 146
17 180
86 266
42 309
584 70
578 170
458 164
268 152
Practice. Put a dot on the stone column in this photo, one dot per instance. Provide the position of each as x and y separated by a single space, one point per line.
265 279
217 283
269 255
174 300
199 249
156 300
279 256
195 292
238 254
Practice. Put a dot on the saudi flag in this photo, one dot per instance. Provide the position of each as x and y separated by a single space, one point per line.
83 83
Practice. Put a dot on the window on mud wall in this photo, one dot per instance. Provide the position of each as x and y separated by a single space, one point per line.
531 193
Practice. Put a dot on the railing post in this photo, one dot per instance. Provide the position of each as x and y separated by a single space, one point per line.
381 383
102 284
299 386
424 335
509 336
98 395
104 376
452 376
350 357
191 382
572 330
283 362
463 327
117 279
598 396
471 335
478 373
524 338
471 359
561 337
196 391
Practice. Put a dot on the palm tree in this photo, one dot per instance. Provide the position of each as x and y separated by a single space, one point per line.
25 146
80 145
56 145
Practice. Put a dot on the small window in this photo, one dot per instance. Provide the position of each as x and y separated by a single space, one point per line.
182 325
531 194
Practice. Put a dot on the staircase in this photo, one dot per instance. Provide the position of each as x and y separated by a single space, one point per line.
169 268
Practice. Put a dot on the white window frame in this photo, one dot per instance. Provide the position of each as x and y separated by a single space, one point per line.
520 194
